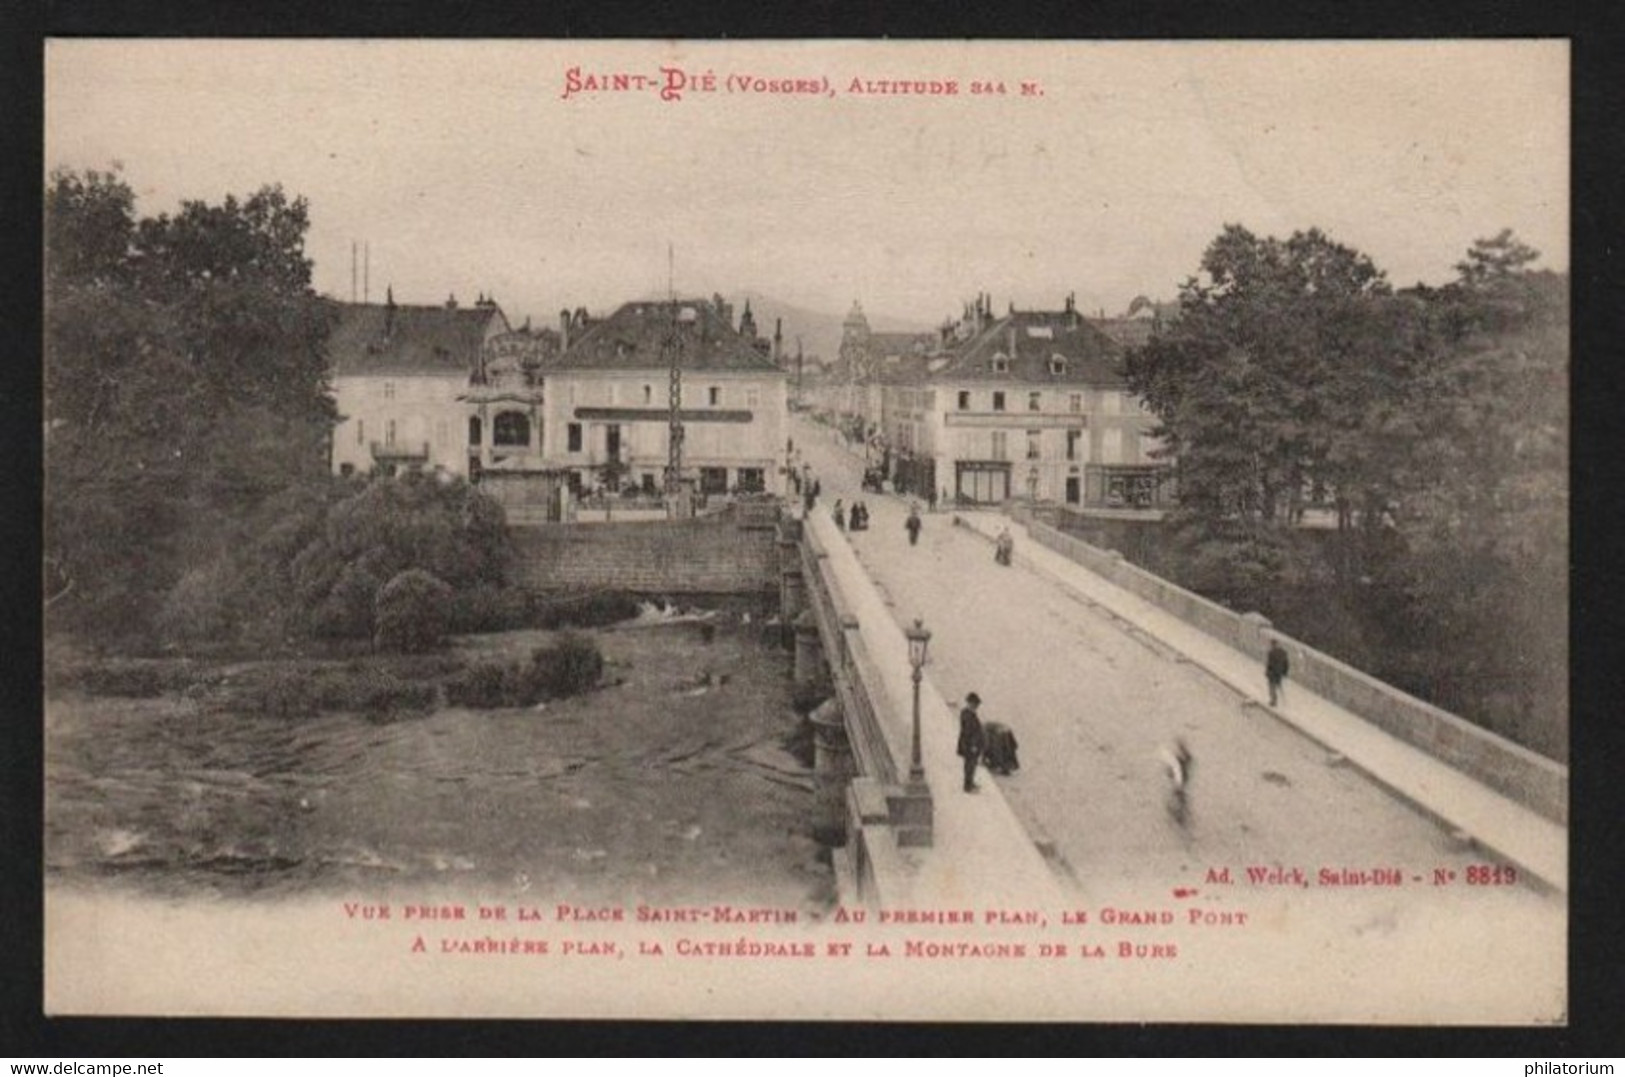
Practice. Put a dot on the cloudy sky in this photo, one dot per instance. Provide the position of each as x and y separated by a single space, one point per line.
466 167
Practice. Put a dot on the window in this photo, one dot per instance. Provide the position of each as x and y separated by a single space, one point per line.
753 398
1110 403
751 480
998 401
1074 402
1072 437
473 429
360 431
1057 365
389 432
1001 363
512 429
1035 401
1035 439
346 470
714 395
648 394
713 480
964 400
389 390
1001 447
573 434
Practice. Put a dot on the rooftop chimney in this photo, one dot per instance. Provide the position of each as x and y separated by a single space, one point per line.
451 301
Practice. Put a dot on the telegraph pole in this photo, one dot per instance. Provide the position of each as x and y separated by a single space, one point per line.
674 390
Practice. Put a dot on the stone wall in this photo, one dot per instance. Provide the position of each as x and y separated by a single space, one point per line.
719 555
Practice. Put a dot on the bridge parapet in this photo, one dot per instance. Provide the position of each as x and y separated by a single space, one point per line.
1510 769
883 814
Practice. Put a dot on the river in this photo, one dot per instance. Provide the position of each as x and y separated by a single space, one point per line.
671 783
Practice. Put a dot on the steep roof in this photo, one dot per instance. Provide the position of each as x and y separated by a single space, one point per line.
634 337
383 338
1029 340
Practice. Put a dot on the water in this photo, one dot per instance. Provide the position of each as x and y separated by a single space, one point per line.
674 783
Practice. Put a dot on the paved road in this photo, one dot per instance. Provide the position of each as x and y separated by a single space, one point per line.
1093 699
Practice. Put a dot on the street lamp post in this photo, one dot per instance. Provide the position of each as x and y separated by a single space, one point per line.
919 638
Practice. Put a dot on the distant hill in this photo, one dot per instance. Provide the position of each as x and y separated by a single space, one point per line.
820 331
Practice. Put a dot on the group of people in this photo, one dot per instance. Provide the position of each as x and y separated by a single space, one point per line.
855 520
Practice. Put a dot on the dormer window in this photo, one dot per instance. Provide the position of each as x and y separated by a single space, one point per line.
1057 365
1001 363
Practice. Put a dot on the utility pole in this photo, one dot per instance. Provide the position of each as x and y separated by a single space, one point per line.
673 345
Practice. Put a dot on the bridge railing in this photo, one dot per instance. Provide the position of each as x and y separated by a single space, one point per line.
1529 778
849 661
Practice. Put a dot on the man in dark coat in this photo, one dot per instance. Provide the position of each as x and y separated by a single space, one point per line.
1276 666
913 523
972 739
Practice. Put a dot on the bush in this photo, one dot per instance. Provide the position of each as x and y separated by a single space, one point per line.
198 606
373 690
569 666
348 610
412 612
488 609
482 686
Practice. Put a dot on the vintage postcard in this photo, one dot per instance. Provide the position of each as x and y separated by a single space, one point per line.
967 531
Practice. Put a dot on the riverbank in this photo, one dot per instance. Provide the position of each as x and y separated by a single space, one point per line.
671 782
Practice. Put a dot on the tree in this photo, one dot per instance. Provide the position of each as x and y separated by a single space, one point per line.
184 381
1269 383
1486 517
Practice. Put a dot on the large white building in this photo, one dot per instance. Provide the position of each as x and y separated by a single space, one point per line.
1032 404
400 374
456 389
608 399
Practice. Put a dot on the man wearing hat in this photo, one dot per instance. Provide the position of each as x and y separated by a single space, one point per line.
972 739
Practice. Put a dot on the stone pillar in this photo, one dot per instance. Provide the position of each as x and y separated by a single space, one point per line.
809 660
792 601
833 767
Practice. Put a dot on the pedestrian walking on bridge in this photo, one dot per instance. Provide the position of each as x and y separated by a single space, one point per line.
1276 667
972 739
1176 763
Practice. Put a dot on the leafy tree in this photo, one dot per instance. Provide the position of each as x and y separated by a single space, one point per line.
1285 355
185 384
1486 519
412 610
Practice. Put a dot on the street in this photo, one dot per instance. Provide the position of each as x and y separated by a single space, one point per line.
1092 701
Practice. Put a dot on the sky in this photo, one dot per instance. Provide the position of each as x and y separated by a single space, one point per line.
469 167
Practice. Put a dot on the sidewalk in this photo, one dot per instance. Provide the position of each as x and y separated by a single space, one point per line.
1492 821
983 857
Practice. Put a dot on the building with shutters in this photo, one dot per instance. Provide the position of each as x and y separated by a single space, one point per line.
410 382
1029 405
607 416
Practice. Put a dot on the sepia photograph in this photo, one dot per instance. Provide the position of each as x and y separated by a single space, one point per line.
970 531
